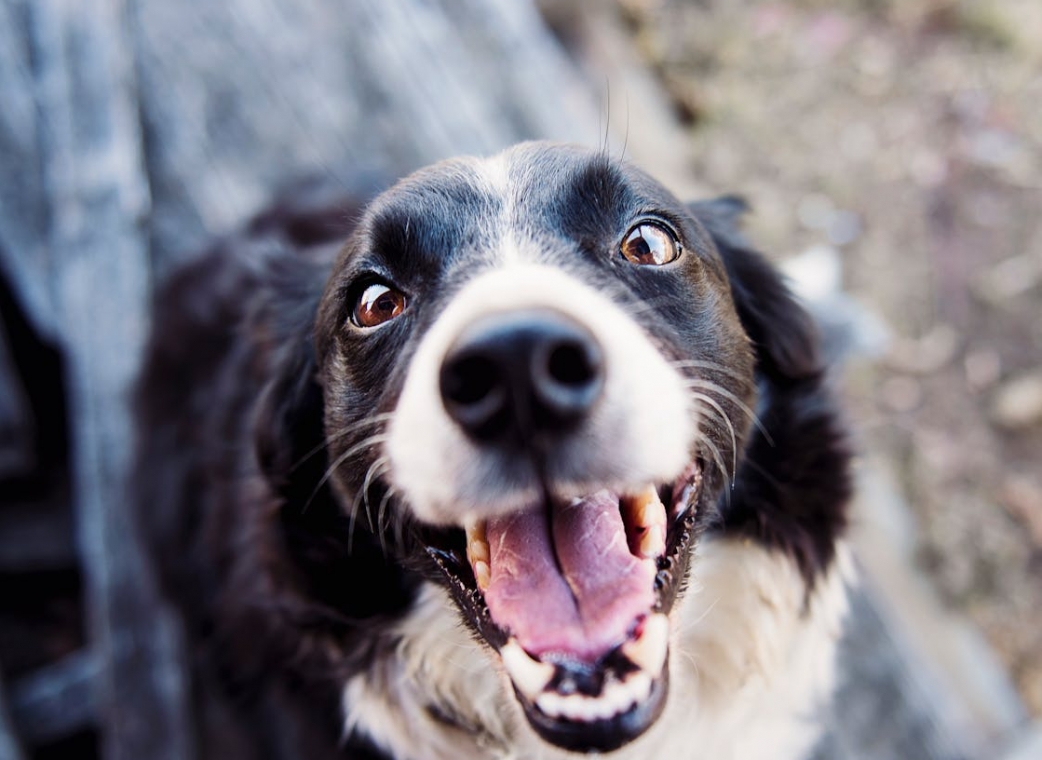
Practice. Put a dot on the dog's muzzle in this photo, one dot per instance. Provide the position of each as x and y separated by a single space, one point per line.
549 447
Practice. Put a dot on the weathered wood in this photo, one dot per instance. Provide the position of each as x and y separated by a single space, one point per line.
232 108
15 425
37 536
56 701
10 745
97 197
882 709
23 211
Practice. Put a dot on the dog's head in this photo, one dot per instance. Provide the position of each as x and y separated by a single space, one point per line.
536 377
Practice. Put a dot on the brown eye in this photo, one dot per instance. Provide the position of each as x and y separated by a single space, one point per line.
650 244
378 304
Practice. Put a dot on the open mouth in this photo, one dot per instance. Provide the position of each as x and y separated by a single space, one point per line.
575 597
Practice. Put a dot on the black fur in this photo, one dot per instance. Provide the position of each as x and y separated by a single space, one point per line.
283 594
795 470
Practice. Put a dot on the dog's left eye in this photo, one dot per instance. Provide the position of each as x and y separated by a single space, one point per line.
377 304
650 244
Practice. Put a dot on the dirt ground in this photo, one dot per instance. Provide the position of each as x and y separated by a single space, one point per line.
907 136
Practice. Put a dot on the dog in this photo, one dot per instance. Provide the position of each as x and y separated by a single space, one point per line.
523 459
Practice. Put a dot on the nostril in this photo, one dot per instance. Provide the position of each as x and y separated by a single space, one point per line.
469 379
567 379
571 364
472 389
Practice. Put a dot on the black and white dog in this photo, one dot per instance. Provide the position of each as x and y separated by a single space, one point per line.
533 460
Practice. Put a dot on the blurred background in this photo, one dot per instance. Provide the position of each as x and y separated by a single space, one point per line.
891 151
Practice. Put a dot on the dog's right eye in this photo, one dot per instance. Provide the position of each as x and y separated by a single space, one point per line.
650 244
377 304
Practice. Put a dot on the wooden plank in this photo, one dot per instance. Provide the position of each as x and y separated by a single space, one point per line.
10 745
883 709
951 667
56 701
16 450
98 195
239 96
23 209
37 536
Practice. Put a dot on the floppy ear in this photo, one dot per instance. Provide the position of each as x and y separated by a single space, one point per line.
288 427
322 545
793 483
785 336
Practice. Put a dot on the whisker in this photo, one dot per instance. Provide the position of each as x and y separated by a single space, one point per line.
727 422
718 460
374 420
362 445
380 519
377 468
696 382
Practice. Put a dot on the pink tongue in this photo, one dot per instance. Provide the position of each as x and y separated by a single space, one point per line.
584 608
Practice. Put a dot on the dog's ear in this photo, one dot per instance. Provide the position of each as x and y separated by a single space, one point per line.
793 483
785 336
322 543
288 419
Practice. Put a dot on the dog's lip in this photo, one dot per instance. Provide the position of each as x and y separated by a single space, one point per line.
591 703
601 734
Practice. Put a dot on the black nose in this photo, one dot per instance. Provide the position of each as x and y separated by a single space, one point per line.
515 375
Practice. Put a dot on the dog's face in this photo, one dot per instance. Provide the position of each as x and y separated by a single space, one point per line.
535 377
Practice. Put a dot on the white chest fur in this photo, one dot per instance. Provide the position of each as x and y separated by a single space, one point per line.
751 671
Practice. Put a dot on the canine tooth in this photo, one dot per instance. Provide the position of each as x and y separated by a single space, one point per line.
478 553
477 542
478 550
645 508
648 652
652 543
529 675
652 511
482 574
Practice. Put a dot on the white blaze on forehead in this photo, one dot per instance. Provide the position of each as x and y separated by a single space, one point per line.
640 431
492 175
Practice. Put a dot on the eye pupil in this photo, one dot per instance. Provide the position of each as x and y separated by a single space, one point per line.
378 304
650 244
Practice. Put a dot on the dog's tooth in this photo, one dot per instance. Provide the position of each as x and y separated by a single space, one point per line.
529 675
550 703
648 652
478 553
482 574
645 508
616 698
478 550
652 542
652 511
477 541
638 687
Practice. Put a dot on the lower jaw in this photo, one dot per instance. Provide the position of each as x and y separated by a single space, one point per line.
601 735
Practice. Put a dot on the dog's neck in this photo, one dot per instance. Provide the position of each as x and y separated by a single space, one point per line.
750 645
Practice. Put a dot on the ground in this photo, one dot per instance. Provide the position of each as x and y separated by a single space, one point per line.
907 136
